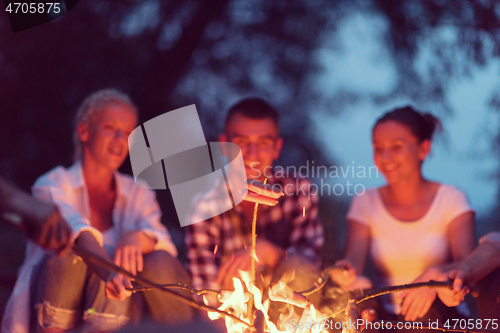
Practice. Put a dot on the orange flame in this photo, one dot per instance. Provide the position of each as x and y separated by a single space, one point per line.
237 303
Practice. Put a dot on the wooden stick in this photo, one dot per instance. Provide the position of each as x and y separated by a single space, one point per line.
254 240
392 289
175 286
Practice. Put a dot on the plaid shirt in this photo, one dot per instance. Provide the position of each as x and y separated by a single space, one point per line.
284 225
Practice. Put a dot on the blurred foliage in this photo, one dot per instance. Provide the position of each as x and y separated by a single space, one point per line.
167 54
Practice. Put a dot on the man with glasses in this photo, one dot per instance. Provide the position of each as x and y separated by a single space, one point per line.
289 235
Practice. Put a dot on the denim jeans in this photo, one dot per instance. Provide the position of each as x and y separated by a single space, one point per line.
67 292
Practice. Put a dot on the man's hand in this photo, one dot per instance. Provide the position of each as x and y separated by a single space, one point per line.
47 228
267 254
41 221
481 262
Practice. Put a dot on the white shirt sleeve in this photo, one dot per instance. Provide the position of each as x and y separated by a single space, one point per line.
458 204
55 187
358 209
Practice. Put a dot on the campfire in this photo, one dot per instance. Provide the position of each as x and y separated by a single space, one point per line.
246 308
250 307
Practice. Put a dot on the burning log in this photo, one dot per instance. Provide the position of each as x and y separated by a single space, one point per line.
280 292
311 315
224 295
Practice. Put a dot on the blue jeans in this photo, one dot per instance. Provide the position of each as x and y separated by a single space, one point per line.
67 293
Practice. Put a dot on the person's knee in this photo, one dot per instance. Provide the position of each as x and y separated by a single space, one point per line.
63 264
161 267
48 316
60 281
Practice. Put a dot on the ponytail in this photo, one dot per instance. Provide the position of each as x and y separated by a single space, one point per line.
422 125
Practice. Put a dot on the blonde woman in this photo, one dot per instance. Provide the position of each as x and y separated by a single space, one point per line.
110 216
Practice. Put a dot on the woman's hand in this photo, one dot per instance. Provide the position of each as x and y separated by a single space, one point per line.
417 302
240 261
128 253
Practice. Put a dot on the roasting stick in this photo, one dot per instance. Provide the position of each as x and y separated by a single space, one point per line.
392 289
177 286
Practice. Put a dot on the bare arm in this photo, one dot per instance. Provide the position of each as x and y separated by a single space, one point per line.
480 263
87 242
461 235
356 251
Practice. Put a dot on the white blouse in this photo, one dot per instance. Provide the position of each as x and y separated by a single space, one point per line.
135 208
